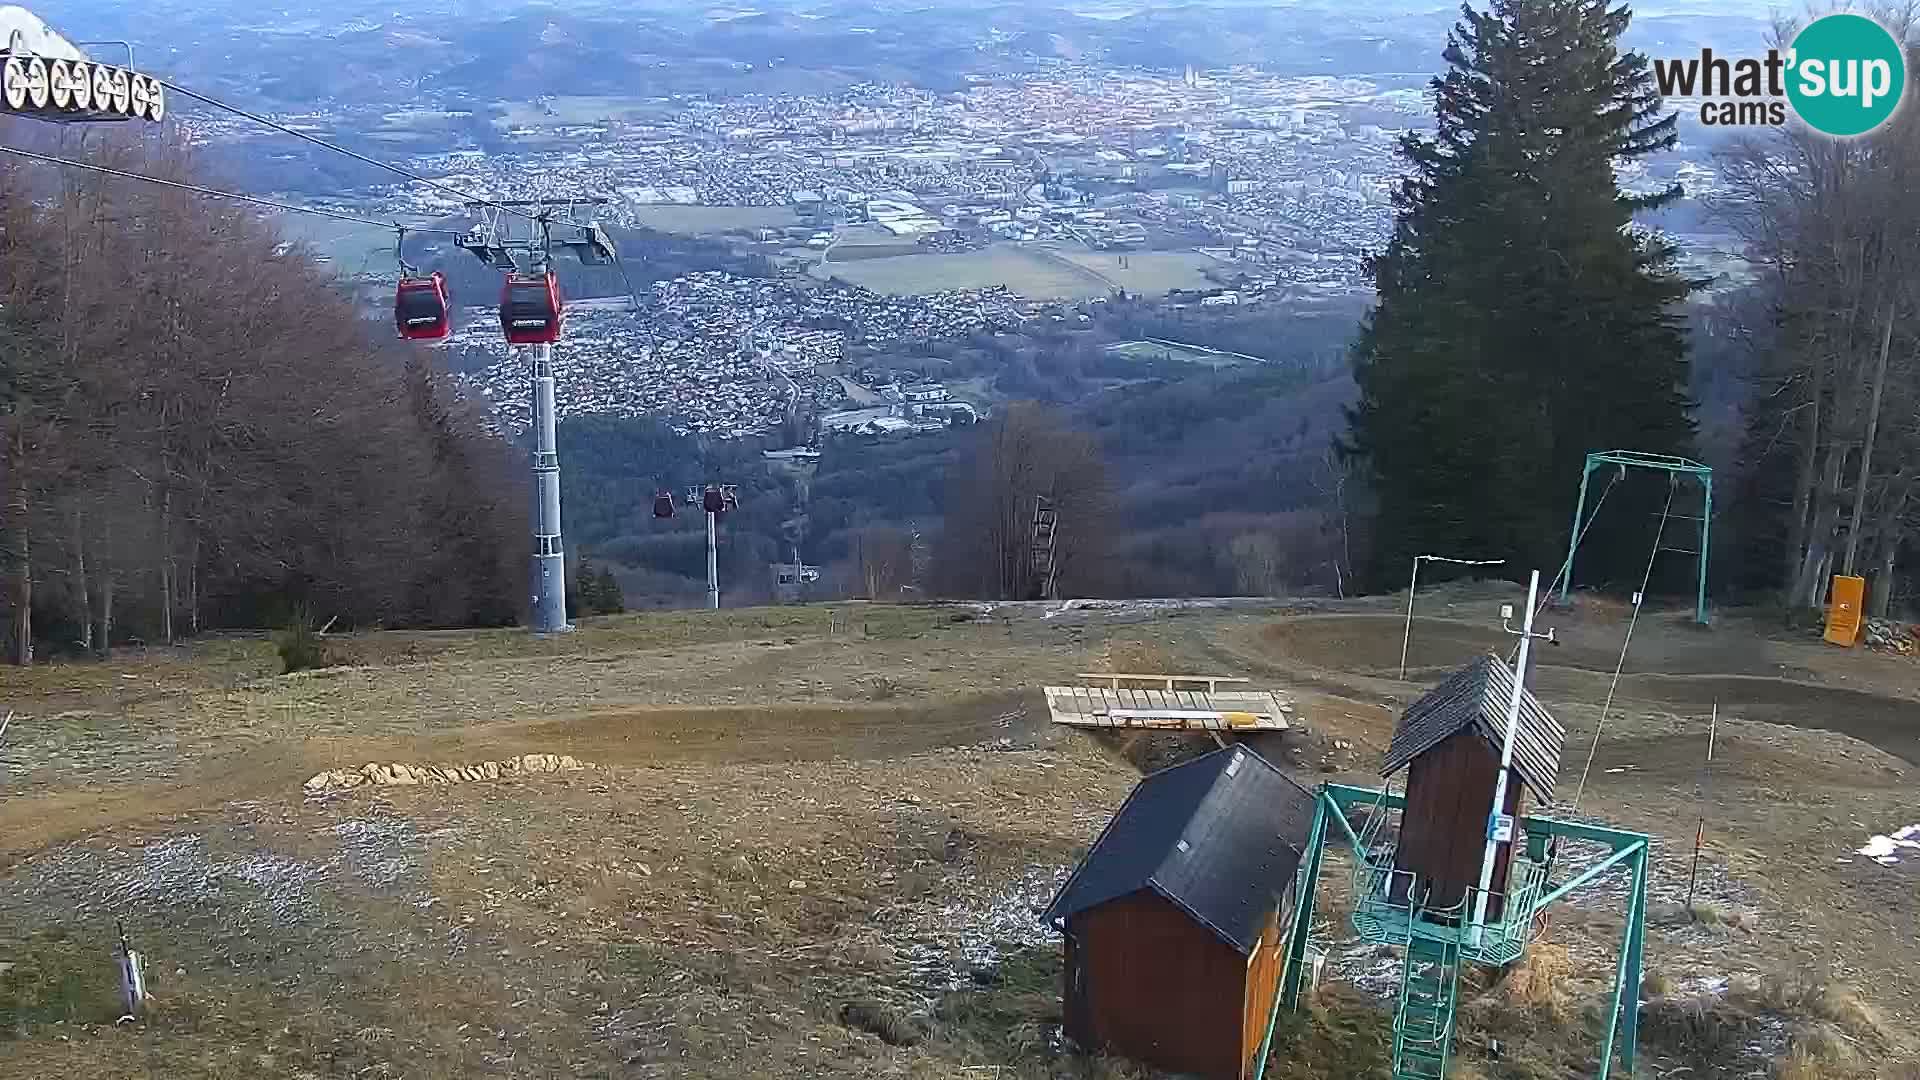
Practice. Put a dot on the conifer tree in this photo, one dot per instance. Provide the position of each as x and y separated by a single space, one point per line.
611 600
1522 320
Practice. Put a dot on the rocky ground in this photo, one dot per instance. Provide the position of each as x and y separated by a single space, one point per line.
814 842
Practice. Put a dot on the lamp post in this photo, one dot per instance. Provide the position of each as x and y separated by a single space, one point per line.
1406 636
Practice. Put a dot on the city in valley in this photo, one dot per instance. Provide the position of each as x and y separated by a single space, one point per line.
1010 540
880 216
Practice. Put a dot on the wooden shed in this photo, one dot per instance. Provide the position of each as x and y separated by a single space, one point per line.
1449 743
1176 920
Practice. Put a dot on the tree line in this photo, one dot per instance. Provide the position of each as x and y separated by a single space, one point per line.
1830 461
197 431
1525 318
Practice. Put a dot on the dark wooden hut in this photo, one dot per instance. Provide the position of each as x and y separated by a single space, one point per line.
1176 920
1449 743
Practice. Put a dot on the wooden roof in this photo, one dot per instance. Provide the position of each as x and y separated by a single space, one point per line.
1219 836
1476 698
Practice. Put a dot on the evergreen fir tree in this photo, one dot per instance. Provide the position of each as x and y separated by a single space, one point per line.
584 597
611 600
1522 319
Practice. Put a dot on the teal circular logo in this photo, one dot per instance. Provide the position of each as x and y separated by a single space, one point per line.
1846 74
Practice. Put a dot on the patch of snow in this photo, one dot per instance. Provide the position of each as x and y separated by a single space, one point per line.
946 944
1885 849
183 871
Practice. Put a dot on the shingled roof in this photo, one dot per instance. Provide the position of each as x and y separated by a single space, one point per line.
1220 836
1476 697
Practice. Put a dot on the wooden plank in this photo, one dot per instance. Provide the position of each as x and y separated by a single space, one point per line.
1109 676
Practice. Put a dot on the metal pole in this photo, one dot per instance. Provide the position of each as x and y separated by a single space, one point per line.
713 562
1497 821
1625 1013
1406 636
1299 934
549 557
1573 542
1706 788
1706 533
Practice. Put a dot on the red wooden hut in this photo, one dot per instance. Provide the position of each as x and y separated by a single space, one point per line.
1176 920
1449 743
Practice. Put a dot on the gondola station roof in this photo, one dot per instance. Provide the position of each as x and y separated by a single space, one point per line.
1475 698
1219 836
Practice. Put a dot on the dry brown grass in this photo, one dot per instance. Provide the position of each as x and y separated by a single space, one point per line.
1698 1027
1532 1010
1812 998
1138 656
1834 1034
1539 982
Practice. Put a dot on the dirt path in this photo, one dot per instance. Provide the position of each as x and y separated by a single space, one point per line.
1688 672
782 795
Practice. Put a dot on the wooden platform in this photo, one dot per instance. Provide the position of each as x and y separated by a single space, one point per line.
1167 682
1170 710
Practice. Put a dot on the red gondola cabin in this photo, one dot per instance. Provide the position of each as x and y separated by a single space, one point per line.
421 308
713 502
531 309
663 504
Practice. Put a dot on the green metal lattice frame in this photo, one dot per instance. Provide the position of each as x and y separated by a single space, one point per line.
1674 467
1628 853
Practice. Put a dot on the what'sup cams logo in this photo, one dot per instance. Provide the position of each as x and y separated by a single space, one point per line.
1844 75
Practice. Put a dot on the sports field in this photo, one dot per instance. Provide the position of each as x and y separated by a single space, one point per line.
1148 273
584 109
711 220
1028 273
1145 351
353 247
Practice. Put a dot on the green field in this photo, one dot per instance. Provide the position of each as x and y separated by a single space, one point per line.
1030 274
1145 351
581 110
1147 273
353 247
712 220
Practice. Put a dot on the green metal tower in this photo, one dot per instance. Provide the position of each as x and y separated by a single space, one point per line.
1438 941
1675 468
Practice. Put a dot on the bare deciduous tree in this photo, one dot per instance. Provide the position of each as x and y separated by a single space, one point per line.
196 427
1835 227
1026 452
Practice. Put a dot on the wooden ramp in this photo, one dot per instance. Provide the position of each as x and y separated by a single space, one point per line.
1167 708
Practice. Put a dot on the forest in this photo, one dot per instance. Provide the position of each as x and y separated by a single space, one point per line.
199 433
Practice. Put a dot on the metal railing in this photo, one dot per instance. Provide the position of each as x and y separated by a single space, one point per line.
1388 909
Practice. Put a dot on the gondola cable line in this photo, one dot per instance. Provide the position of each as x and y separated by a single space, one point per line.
422 305
197 189
1578 543
338 149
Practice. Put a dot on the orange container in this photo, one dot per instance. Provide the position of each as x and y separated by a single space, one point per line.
1845 610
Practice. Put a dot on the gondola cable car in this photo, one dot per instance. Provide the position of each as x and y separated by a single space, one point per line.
663 504
531 309
422 306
